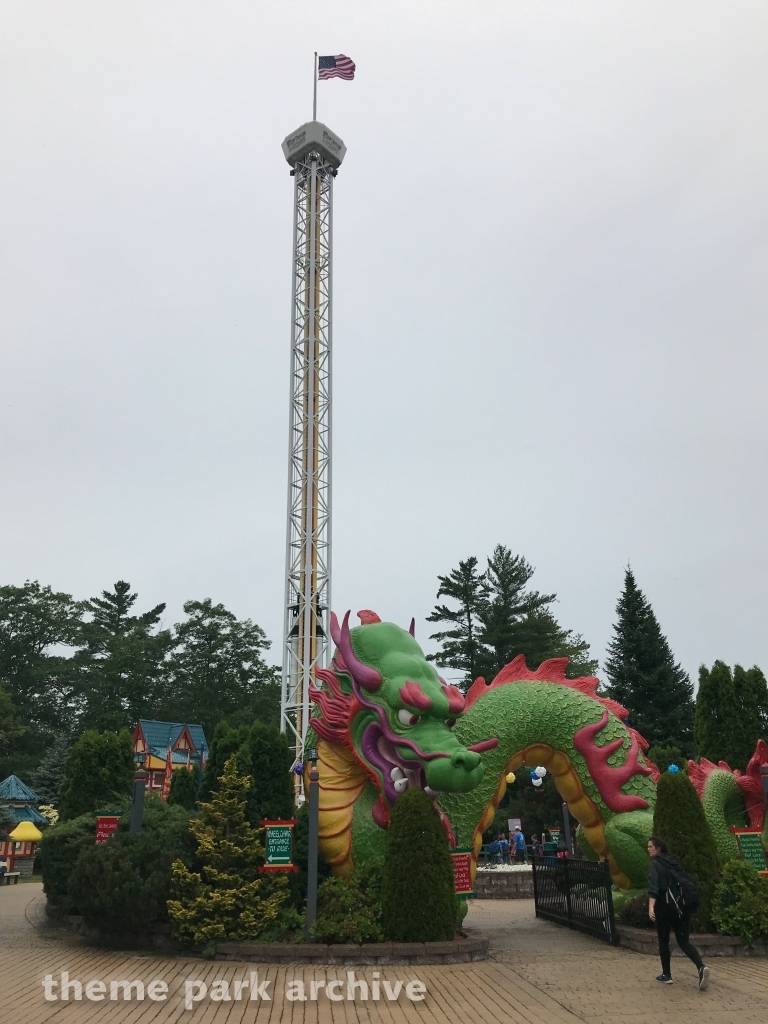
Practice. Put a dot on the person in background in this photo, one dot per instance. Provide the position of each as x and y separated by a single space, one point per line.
519 844
495 852
536 847
661 867
504 849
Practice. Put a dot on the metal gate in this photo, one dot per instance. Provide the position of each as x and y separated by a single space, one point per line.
576 893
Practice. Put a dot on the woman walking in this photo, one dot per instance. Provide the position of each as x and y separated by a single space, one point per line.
670 910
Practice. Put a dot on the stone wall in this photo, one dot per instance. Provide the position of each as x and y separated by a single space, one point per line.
504 885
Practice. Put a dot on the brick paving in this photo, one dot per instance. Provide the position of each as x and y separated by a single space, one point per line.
537 974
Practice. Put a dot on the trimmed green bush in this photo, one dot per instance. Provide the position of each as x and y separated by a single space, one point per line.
418 899
60 847
740 903
349 909
183 791
679 820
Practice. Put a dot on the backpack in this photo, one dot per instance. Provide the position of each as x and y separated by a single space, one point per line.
682 894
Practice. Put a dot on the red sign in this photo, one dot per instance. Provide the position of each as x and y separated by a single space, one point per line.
105 827
462 872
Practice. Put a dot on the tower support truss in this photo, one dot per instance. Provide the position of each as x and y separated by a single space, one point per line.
308 542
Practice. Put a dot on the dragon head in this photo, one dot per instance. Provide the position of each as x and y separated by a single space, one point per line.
387 703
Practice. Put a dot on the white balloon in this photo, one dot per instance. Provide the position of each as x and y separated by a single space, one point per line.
541 772
536 782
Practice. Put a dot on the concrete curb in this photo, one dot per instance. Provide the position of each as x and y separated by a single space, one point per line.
376 954
643 940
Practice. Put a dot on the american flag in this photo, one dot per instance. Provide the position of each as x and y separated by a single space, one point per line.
336 67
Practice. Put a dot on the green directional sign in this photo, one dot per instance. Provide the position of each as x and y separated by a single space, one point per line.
278 845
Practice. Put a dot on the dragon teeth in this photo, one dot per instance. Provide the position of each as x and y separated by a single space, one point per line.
431 793
396 773
401 785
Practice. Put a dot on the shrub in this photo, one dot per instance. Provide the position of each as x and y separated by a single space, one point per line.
418 899
60 847
183 791
664 755
740 903
679 819
227 898
98 772
635 912
349 909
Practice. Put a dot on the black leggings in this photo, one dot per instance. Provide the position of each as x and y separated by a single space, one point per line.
681 926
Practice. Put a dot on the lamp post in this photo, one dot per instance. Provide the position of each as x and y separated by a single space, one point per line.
139 788
314 804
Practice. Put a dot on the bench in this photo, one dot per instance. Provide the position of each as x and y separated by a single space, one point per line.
7 876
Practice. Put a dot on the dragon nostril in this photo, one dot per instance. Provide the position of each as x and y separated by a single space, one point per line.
466 759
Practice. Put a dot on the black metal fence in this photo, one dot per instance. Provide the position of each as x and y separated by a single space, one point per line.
576 893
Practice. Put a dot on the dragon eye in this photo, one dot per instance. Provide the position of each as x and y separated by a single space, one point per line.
450 722
405 717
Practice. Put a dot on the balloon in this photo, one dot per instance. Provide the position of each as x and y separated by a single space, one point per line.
511 777
534 775
537 781
541 772
674 769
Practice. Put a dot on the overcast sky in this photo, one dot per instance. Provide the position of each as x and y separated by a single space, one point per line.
550 302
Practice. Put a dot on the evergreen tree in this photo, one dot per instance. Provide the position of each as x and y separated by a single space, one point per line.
261 753
499 617
418 898
217 670
99 771
228 899
731 713
679 820
121 661
643 674
183 789
462 648
48 777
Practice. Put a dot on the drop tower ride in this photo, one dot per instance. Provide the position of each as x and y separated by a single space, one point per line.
315 154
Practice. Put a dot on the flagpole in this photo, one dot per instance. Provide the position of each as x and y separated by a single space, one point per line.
314 97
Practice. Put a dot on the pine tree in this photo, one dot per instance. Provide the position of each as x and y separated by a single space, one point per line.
731 713
228 899
679 820
48 778
499 617
644 676
121 661
418 898
461 645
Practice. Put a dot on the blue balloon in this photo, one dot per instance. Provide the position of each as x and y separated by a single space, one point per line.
674 769
534 775
299 769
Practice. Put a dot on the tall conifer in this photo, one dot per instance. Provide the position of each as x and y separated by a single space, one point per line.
644 676
731 713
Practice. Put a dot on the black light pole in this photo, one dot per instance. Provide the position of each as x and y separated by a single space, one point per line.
314 806
567 828
139 788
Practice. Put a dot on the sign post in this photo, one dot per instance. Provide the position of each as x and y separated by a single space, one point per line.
279 846
106 826
462 873
751 848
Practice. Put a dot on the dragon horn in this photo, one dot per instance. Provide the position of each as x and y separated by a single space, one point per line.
366 676
412 628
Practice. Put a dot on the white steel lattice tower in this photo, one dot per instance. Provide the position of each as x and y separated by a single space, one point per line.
314 154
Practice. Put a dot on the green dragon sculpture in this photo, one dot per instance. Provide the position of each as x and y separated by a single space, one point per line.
385 721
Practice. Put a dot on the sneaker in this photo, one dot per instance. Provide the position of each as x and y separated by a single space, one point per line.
666 979
703 978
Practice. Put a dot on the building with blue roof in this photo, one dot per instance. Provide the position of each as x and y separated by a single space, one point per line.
22 803
155 743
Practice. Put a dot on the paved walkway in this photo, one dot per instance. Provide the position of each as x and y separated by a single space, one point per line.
539 974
